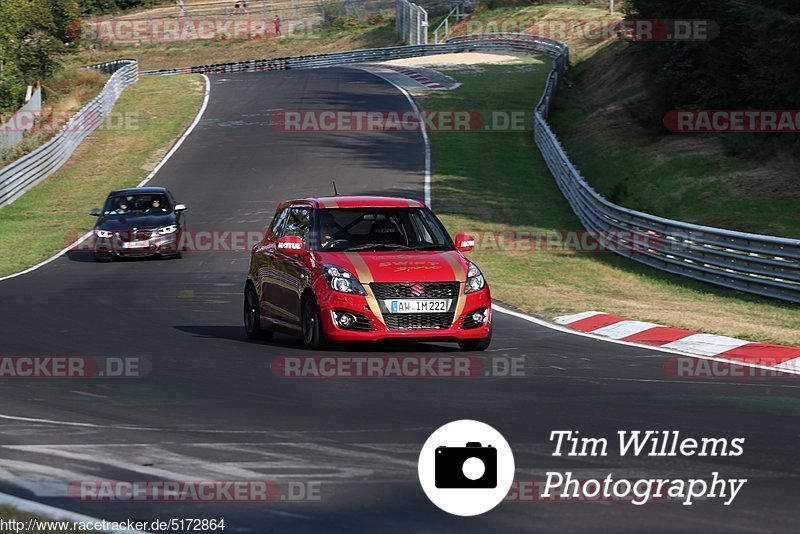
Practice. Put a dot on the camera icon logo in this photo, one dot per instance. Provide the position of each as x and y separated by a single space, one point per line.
466 467
472 466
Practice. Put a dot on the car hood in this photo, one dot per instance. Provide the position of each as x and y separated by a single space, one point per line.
422 266
140 221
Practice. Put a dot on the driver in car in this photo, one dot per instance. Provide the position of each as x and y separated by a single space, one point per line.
327 228
156 205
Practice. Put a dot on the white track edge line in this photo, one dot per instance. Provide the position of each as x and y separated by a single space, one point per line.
564 329
53 513
149 177
423 129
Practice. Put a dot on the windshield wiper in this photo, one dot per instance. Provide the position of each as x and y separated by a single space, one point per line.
388 246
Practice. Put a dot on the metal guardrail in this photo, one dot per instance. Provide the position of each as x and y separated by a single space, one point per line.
504 42
758 264
411 22
22 174
13 130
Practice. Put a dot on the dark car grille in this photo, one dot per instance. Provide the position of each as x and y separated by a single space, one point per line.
418 321
431 290
131 235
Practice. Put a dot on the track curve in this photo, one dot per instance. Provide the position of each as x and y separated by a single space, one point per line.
212 409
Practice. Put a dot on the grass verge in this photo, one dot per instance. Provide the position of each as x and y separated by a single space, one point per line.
737 181
489 181
52 214
347 35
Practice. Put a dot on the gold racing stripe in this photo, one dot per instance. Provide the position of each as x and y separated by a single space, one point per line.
461 276
364 276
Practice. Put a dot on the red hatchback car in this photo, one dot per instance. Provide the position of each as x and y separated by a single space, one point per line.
365 268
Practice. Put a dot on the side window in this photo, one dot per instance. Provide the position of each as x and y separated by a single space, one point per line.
277 223
297 223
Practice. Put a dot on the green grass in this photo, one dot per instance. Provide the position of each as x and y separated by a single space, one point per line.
605 126
539 19
54 213
495 181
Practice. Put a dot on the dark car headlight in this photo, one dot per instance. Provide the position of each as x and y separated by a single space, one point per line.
475 281
342 280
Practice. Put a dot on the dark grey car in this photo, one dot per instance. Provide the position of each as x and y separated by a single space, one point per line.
137 222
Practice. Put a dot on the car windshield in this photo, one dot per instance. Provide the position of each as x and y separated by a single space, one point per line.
342 229
150 203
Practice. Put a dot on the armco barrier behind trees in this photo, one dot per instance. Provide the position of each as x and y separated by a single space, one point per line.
22 174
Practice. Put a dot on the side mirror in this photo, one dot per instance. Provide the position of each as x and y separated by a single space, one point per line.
464 242
290 244
180 207
95 212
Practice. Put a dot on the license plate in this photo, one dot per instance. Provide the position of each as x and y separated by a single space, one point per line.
418 305
136 244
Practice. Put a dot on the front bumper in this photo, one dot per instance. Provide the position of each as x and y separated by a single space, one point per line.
112 247
332 302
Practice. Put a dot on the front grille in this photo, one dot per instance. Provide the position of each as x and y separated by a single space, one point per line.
430 290
138 235
418 321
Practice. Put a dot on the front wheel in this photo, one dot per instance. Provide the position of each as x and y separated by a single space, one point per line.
476 344
313 338
252 315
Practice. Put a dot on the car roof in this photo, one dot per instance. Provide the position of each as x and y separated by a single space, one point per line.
357 201
139 191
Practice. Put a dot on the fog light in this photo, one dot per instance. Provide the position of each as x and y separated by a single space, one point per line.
478 317
346 320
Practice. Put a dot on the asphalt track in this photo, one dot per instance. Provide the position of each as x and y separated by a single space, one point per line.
212 409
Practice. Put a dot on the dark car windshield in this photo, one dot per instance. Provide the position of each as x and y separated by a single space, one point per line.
150 203
342 229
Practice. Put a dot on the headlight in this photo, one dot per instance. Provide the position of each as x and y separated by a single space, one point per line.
103 234
342 280
475 280
166 230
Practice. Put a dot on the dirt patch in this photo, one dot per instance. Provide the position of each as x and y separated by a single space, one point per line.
464 58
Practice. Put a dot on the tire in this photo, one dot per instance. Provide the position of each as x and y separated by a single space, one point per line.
252 315
476 344
310 324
